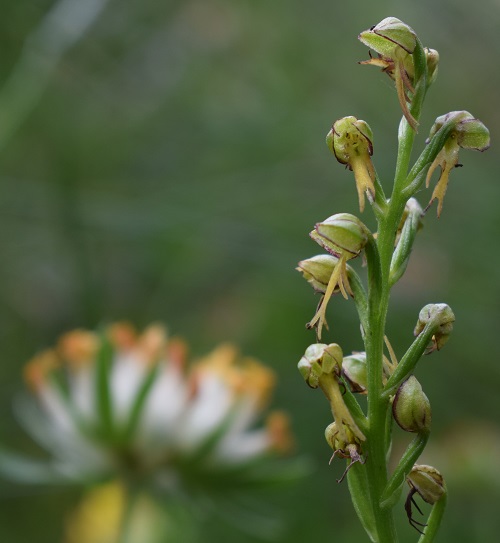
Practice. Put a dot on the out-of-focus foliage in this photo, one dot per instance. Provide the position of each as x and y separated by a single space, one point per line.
170 167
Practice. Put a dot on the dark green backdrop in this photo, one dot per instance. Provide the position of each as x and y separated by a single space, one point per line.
170 165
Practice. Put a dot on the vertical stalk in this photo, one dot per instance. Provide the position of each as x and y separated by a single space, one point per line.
378 303
376 468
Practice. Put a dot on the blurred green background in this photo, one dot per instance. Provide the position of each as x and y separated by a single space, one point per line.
167 162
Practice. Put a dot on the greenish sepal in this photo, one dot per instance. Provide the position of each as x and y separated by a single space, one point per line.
421 75
404 246
103 398
360 495
392 491
318 270
354 372
342 234
319 360
428 482
473 135
387 35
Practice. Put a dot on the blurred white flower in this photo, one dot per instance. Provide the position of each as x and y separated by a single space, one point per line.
124 404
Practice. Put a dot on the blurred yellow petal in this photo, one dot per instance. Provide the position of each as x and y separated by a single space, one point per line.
98 517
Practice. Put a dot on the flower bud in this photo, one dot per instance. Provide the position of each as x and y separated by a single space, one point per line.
468 133
318 270
340 441
332 437
355 373
388 35
432 58
428 482
342 235
443 317
411 223
395 42
320 359
344 444
351 141
411 407
412 207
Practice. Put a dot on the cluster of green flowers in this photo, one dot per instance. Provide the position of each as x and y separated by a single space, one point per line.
394 393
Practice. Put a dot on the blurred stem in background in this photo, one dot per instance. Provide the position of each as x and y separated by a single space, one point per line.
65 24
69 215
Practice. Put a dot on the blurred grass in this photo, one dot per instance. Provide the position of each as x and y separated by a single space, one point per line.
171 170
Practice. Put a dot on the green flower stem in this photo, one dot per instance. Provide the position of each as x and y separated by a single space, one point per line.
434 520
380 205
393 489
410 359
379 262
360 298
376 469
406 135
355 409
360 494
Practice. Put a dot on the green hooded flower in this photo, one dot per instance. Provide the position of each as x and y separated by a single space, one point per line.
351 141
